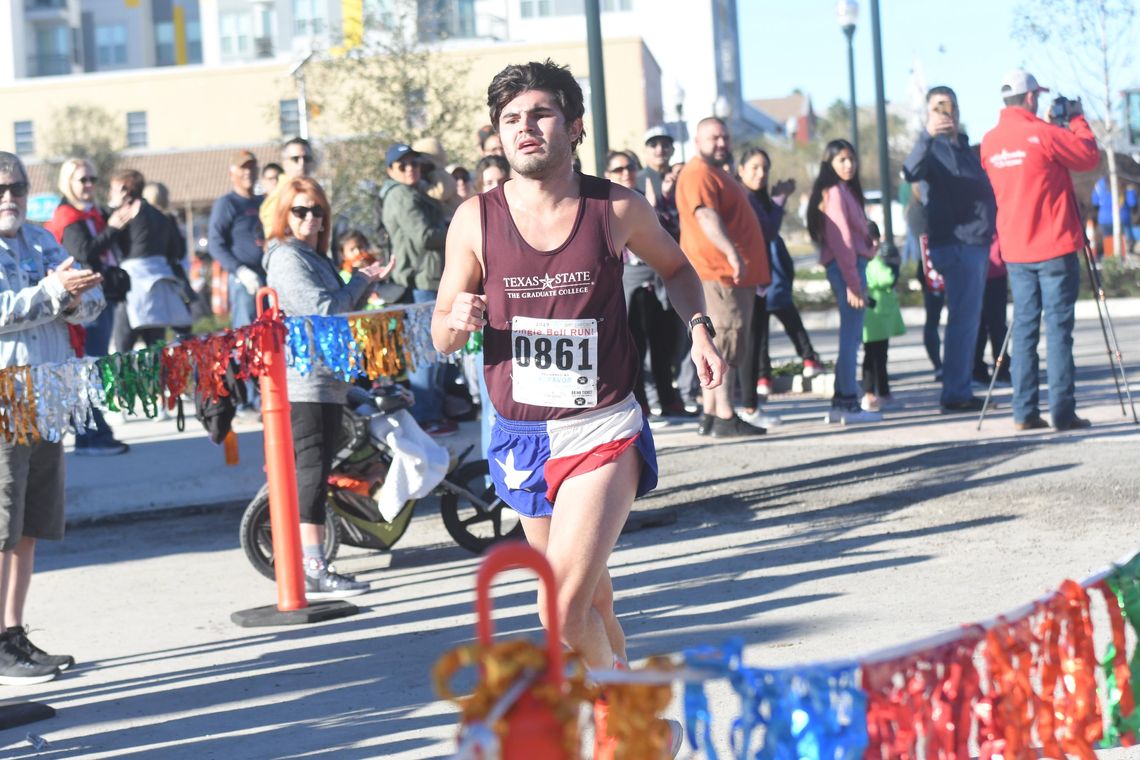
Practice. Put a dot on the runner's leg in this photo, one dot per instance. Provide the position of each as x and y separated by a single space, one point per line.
537 530
578 542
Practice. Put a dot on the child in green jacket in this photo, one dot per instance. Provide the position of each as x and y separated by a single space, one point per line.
882 320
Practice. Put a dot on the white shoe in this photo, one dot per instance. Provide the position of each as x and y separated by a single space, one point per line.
833 415
857 416
759 419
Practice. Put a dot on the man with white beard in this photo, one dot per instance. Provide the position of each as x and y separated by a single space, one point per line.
40 292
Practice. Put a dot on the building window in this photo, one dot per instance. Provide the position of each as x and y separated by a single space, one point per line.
25 138
290 118
237 34
609 6
193 41
136 129
111 45
536 8
53 51
379 13
164 43
308 17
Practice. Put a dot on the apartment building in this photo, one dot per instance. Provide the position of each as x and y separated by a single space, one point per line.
187 76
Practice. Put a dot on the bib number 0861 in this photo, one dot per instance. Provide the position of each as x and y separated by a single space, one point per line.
560 352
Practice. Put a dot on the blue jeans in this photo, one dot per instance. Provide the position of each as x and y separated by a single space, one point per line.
427 380
1046 288
243 311
850 335
97 343
963 269
243 306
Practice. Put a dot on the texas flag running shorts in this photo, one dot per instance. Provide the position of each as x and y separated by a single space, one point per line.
530 460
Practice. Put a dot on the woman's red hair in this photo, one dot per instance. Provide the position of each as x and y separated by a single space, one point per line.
293 188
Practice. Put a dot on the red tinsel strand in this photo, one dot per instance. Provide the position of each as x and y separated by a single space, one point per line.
1049 673
176 369
248 342
1078 705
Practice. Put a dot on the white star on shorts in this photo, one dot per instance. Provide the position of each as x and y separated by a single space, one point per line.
512 477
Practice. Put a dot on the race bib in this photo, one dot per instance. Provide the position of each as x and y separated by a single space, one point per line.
555 362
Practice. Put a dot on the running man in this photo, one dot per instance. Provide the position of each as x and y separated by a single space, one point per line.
536 264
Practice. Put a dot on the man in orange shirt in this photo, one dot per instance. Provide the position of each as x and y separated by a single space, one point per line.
722 239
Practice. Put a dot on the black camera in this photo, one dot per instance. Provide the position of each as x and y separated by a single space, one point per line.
1063 110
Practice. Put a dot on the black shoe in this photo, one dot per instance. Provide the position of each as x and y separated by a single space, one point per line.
17 669
734 427
1033 423
102 449
18 636
322 582
704 427
1077 423
969 405
678 410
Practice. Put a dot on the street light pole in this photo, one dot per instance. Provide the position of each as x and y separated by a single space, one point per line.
597 83
881 118
848 12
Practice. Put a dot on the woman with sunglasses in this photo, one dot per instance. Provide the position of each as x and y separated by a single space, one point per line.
89 234
298 267
648 309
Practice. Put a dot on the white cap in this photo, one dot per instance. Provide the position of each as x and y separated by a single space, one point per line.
1019 82
658 131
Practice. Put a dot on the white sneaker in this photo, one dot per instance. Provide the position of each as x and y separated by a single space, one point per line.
857 416
759 419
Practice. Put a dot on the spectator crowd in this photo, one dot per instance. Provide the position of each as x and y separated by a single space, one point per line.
990 218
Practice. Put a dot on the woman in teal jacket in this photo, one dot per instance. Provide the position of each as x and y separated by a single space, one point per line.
882 320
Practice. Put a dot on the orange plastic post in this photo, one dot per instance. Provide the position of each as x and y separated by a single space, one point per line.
280 467
533 731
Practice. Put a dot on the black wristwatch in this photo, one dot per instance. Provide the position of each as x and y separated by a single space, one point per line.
702 321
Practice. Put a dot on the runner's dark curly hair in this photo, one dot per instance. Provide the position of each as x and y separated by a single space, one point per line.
546 76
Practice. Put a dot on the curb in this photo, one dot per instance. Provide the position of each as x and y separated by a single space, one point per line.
915 316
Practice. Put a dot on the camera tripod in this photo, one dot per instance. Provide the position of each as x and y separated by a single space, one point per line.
1111 344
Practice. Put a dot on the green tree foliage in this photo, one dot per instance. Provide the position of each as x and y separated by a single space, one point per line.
394 86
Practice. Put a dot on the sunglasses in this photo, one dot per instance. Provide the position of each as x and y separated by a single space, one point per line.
88 180
620 169
300 212
299 159
17 189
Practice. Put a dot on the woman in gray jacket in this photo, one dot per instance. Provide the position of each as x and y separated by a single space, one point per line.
299 269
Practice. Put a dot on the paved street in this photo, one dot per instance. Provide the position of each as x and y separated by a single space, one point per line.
816 542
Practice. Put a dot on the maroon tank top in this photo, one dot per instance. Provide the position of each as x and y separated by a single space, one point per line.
557 339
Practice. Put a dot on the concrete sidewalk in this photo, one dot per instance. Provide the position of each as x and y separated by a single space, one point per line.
166 469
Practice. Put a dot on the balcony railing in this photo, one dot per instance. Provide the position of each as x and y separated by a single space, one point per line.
48 65
456 27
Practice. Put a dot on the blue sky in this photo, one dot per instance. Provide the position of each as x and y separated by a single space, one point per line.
961 43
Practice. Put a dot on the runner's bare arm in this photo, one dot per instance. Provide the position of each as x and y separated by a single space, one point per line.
459 309
636 227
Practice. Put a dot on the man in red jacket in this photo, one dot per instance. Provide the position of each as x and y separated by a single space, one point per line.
1028 162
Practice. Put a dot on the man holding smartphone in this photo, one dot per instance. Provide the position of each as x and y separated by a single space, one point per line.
961 213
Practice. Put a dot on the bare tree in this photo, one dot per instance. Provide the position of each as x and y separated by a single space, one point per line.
84 131
1095 38
393 85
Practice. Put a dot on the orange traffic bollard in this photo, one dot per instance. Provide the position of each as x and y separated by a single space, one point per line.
533 729
280 468
281 472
